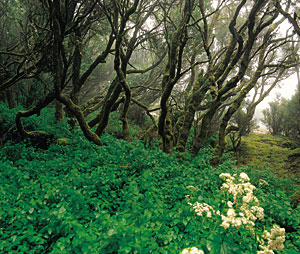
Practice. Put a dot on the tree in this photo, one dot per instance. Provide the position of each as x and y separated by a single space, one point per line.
273 117
195 62
291 116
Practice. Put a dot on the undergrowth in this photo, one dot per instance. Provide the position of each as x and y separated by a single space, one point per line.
76 197
118 198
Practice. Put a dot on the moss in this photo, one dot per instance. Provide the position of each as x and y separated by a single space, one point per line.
267 151
37 133
296 198
62 141
294 162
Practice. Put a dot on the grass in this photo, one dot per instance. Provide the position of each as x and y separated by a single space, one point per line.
263 151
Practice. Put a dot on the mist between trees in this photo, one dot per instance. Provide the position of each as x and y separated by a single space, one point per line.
181 70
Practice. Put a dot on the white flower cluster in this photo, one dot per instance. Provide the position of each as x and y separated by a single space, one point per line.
192 250
241 191
244 209
275 240
263 182
200 208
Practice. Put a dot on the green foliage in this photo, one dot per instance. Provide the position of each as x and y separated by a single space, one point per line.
244 122
282 117
117 198
44 122
8 115
291 116
76 197
273 116
115 125
273 192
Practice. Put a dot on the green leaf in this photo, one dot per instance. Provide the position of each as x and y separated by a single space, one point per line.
220 244
126 250
291 252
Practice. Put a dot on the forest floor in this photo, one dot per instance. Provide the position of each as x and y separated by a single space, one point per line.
279 153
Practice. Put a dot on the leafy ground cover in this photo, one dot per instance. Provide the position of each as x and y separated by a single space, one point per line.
123 198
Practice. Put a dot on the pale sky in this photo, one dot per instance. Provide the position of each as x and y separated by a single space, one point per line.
287 89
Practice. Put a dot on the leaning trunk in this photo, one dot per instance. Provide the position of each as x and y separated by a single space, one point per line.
199 91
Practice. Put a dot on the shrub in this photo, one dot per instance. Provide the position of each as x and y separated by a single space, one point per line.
120 198
232 228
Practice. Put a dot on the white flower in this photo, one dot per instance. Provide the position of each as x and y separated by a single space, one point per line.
230 212
200 208
230 204
263 182
225 224
248 198
244 177
237 222
276 230
192 250
248 211
265 252
275 239
259 212
248 186
225 176
256 200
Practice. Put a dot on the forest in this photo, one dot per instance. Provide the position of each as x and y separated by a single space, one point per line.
128 126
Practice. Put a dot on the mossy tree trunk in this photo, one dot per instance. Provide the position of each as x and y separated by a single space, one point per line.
76 84
218 75
58 32
111 98
204 131
60 72
59 113
171 75
241 56
198 87
122 80
223 130
199 90
34 135
120 65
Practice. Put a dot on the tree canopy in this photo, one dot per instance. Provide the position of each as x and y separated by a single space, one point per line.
187 66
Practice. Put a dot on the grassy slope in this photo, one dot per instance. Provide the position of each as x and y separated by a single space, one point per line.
278 153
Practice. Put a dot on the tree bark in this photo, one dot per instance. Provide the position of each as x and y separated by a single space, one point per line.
200 88
10 98
35 136
171 75
59 114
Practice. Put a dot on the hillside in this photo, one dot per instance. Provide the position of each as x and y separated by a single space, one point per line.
278 153
122 198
